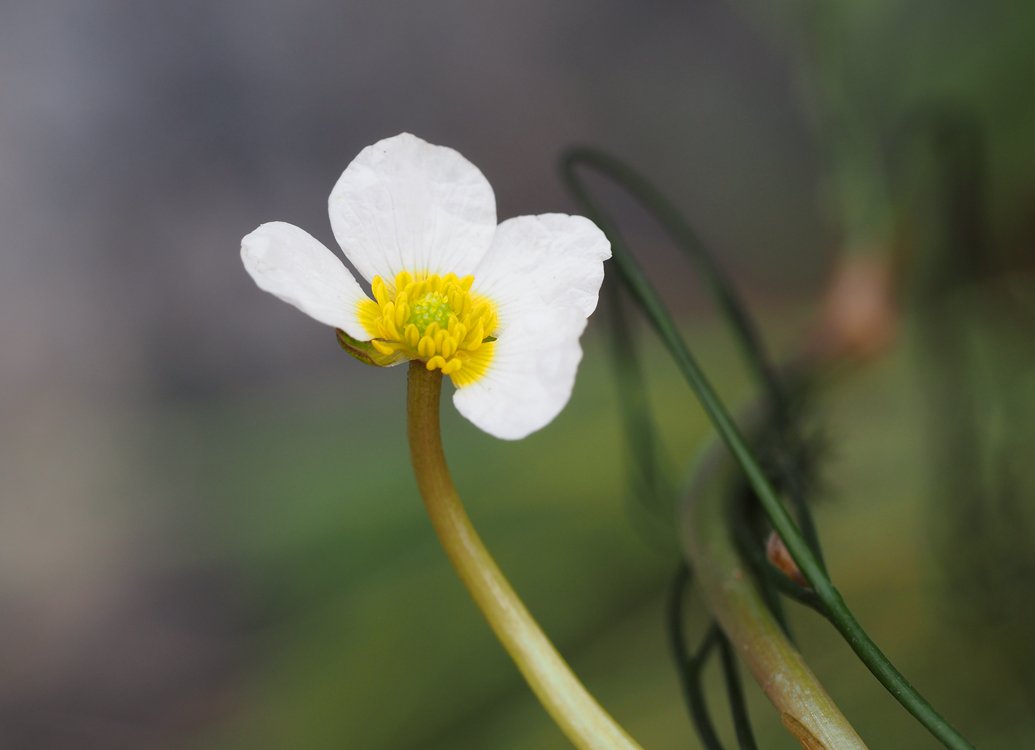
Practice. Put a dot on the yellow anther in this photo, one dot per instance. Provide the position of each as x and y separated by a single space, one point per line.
475 337
382 347
412 336
432 318
378 288
402 280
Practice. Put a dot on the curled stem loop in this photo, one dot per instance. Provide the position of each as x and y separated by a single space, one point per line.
796 539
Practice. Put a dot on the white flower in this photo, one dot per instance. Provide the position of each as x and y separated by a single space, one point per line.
497 308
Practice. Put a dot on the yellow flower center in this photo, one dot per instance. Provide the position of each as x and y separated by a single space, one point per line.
436 319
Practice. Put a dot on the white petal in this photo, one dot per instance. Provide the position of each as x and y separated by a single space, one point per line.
553 261
528 383
291 264
406 205
544 273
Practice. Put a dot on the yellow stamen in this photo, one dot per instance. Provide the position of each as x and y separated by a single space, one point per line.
433 318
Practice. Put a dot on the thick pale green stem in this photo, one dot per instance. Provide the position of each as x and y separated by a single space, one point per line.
577 713
805 707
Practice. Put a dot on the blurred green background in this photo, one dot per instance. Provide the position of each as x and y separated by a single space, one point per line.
209 534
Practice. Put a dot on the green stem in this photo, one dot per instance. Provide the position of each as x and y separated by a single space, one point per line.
810 565
726 297
686 239
689 667
805 708
735 696
576 712
652 474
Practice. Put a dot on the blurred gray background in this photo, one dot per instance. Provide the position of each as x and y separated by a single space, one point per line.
138 363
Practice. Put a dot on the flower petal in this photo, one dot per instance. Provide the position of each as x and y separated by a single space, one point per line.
406 205
544 274
551 261
291 264
529 381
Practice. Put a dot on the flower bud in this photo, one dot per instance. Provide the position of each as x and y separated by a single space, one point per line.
777 554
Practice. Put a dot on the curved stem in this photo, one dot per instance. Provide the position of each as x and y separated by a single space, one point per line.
576 712
685 238
689 667
805 708
809 563
726 297
735 696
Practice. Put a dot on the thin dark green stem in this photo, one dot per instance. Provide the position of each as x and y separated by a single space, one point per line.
838 613
651 471
768 576
689 667
733 599
738 706
683 235
726 297
739 515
